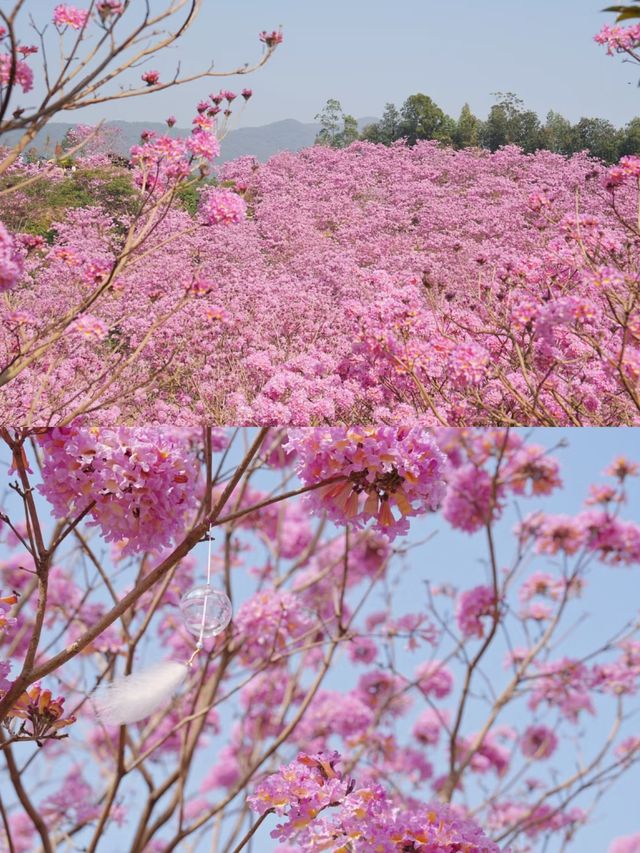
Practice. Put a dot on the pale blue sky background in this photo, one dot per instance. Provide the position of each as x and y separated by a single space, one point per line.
612 596
368 52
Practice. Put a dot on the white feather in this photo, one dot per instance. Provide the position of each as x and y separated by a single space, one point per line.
136 696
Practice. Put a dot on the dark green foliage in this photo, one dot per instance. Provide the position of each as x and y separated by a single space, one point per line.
468 129
107 188
625 13
188 197
422 118
631 141
116 341
61 195
508 123
116 195
387 129
337 130
349 131
599 137
557 135
36 206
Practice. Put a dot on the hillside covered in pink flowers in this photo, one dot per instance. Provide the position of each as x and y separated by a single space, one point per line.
370 284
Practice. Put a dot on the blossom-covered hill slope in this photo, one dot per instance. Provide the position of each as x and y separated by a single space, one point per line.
364 285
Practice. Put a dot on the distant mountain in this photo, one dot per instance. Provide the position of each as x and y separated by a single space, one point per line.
261 142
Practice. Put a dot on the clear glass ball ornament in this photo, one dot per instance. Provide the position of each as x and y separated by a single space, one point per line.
215 606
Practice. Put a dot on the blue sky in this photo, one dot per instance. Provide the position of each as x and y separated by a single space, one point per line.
368 52
612 596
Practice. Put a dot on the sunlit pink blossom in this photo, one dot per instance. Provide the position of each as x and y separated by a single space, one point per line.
69 16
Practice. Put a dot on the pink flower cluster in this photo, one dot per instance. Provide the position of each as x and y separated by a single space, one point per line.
316 584
202 145
468 365
11 260
626 844
6 603
614 541
107 8
472 606
41 713
563 684
160 159
285 525
375 469
538 742
429 725
22 73
89 327
470 502
365 817
619 39
5 670
347 715
142 482
73 802
69 16
626 170
163 160
221 207
271 39
478 487
151 78
543 584
434 678
538 822
489 755
269 623
301 789
531 466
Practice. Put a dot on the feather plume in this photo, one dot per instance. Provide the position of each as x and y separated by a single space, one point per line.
136 696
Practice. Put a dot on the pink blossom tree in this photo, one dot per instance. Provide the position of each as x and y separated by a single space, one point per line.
622 38
83 57
331 713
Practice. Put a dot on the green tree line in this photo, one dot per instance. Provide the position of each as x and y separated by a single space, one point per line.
508 123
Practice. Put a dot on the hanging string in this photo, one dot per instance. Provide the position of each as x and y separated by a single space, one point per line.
133 697
200 642
209 559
